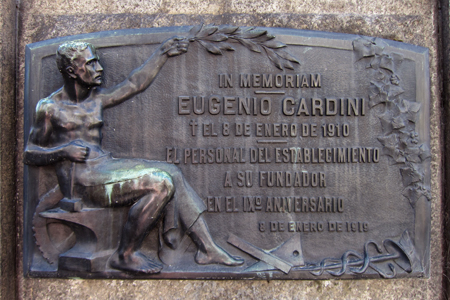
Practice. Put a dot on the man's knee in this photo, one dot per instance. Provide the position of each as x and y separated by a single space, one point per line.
173 171
161 182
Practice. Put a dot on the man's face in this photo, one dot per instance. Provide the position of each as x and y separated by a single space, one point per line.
87 69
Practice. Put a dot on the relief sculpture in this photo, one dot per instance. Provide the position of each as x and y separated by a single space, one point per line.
230 154
67 134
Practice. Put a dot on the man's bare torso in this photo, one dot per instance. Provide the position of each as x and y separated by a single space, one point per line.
72 121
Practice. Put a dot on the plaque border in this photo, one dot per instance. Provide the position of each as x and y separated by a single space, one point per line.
36 52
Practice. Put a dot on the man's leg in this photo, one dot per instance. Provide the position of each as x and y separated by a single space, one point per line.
141 217
190 212
208 251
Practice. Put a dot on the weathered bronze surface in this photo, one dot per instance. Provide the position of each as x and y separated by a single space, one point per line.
238 153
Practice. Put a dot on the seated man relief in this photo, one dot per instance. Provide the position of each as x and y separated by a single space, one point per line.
66 133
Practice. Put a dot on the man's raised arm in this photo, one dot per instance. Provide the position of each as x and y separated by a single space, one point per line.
142 77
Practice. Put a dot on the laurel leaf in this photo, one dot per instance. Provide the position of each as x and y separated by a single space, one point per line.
195 30
226 46
250 45
252 34
227 29
287 56
210 47
273 57
274 44
207 30
217 37
287 64
264 38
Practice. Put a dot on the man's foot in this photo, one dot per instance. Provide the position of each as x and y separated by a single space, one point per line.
136 262
217 255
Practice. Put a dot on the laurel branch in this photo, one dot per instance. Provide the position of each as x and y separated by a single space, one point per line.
214 39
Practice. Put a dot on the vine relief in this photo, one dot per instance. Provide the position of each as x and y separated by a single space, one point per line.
398 116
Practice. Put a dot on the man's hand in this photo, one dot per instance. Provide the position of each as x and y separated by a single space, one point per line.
175 46
76 152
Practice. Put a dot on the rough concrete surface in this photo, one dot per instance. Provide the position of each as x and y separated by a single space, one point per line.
7 148
408 21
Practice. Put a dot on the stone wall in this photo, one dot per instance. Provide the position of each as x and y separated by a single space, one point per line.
415 22
7 145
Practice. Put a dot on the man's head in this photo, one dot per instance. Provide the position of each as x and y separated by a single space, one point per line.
79 61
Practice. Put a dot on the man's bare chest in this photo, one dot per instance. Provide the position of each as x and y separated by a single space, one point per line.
72 116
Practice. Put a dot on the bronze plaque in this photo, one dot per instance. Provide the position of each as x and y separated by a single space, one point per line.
222 152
